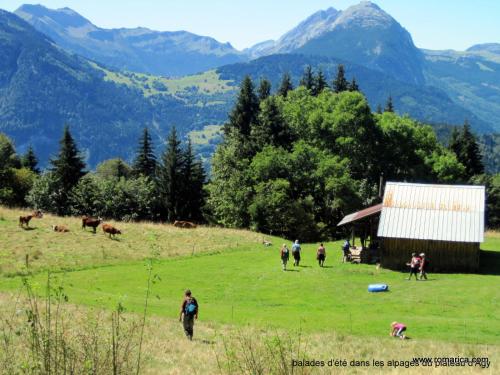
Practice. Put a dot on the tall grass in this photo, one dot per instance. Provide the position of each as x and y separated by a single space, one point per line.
246 353
44 335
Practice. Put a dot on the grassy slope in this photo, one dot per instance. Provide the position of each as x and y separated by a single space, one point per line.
246 285
204 136
207 82
165 351
81 249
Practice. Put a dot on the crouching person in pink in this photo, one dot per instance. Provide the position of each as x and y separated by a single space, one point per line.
397 330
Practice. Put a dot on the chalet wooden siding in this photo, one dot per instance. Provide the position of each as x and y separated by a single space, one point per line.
443 255
446 222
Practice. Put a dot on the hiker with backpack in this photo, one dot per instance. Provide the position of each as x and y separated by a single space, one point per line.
285 255
189 312
424 266
296 253
321 255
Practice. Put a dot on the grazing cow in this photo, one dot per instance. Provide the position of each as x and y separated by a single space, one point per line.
111 230
92 222
60 228
26 219
184 224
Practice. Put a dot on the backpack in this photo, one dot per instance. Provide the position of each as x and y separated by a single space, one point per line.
191 307
286 253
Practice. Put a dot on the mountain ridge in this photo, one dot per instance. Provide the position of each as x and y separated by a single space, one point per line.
167 53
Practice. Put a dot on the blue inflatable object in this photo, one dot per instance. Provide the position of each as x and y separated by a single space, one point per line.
378 288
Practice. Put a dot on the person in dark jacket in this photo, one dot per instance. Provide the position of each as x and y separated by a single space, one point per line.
188 313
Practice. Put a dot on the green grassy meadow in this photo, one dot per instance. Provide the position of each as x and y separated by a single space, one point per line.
242 284
207 83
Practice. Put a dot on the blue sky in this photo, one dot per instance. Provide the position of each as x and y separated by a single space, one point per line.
434 24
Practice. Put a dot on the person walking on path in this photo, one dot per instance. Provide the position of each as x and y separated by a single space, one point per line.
188 313
321 255
397 330
414 266
285 255
424 265
296 253
345 249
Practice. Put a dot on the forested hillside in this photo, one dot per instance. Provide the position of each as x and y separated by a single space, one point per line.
42 88
420 102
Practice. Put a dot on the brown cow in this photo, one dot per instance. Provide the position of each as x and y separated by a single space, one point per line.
60 228
111 230
88 221
184 224
26 219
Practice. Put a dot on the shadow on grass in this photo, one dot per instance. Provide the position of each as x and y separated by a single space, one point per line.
29 228
207 342
489 262
327 267
292 270
305 266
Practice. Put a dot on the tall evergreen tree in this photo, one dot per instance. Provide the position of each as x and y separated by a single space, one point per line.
264 89
170 178
30 160
307 79
193 196
379 109
245 111
145 160
286 85
353 86
69 166
319 83
389 106
8 155
340 83
465 145
272 128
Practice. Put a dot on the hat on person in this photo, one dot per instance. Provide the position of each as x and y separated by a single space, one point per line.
413 254
422 254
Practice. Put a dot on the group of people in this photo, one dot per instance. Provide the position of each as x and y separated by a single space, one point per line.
296 249
419 265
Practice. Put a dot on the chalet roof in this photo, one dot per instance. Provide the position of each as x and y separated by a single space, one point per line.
361 214
433 212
